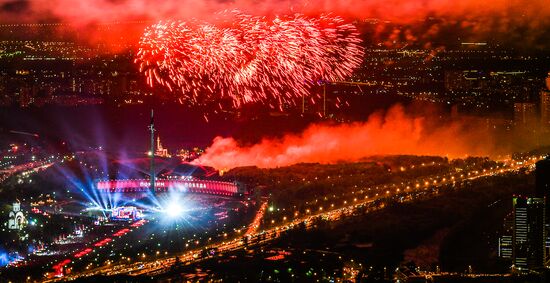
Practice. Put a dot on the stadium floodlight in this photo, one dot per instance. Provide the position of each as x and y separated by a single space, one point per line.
174 209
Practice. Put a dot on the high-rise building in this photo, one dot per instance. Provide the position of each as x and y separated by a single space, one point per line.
542 190
525 114
505 246
542 179
528 247
545 109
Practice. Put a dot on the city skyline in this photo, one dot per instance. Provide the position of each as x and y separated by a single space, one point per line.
291 141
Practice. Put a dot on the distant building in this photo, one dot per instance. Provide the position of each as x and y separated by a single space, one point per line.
161 151
17 219
455 80
529 233
542 179
545 109
184 154
505 246
188 155
525 114
505 241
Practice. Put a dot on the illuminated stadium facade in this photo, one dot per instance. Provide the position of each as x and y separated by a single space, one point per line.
190 185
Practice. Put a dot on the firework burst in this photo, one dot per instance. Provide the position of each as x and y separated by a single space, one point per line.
249 59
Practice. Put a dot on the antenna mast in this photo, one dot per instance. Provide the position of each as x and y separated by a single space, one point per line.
152 129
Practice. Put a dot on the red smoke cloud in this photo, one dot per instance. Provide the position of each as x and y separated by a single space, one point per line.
395 10
533 12
525 21
394 132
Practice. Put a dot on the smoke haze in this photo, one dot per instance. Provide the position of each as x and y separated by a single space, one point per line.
402 11
528 20
391 133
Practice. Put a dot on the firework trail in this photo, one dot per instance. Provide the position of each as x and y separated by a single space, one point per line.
249 59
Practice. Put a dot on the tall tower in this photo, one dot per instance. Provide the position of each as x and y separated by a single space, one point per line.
152 129
528 239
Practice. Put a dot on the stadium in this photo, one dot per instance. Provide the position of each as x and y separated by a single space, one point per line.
133 187
176 183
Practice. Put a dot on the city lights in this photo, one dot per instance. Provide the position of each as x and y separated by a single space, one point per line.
291 141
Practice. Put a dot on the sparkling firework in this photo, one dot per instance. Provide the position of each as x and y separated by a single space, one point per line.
247 58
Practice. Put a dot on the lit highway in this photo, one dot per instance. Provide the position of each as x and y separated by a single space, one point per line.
24 169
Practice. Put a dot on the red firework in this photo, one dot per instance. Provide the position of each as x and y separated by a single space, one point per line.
249 58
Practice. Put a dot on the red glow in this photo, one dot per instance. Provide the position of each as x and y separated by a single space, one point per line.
138 223
524 19
83 253
121 232
102 242
396 10
58 268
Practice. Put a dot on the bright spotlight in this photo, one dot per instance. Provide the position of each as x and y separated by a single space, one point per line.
173 209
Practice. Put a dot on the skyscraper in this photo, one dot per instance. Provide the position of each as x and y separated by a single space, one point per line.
542 179
529 233
542 190
505 246
525 114
545 109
